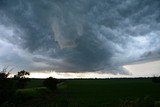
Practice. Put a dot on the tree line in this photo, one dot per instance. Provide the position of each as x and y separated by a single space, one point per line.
8 86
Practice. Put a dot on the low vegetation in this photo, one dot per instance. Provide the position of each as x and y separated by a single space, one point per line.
51 83
51 92
7 86
156 79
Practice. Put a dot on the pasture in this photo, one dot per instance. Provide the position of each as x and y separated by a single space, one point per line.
112 93
92 93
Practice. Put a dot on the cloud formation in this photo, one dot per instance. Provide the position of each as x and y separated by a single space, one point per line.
79 35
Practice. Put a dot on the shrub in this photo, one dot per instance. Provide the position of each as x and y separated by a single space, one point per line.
143 102
51 83
157 104
7 86
156 79
21 79
22 82
21 74
3 73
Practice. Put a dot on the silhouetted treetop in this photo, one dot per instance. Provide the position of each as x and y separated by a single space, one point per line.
21 74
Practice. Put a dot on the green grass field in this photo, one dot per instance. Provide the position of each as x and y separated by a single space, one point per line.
93 93
107 93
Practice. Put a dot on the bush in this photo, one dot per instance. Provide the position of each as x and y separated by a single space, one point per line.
7 87
51 83
21 79
143 102
22 82
156 79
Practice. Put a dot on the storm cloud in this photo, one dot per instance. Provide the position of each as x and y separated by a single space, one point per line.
79 35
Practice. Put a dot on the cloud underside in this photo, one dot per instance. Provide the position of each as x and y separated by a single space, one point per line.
79 35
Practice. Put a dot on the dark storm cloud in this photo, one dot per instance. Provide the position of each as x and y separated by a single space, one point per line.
81 35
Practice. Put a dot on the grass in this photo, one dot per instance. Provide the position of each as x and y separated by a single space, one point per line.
103 93
92 93
33 92
35 83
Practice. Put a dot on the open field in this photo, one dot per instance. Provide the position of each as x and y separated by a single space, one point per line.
94 93
100 93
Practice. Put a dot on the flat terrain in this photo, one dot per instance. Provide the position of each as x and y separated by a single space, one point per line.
93 93
102 93
114 92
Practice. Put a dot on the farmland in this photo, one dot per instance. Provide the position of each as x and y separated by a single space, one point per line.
92 93
114 92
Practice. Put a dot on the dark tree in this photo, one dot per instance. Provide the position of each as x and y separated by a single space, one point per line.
7 86
22 74
51 83
156 79
21 79
4 74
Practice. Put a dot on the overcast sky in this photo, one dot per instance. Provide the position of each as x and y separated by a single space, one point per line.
80 36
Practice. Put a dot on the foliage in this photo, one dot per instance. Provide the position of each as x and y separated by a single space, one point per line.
137 102
90 93
34 83
21 79
156 79
22 74
7 86
22 82
157 104
22 95
51 83
4 74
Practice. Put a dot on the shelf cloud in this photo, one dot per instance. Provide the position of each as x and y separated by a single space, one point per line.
79 35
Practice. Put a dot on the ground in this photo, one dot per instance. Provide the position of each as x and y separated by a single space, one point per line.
92 93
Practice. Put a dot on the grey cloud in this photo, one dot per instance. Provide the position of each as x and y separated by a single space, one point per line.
84 35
